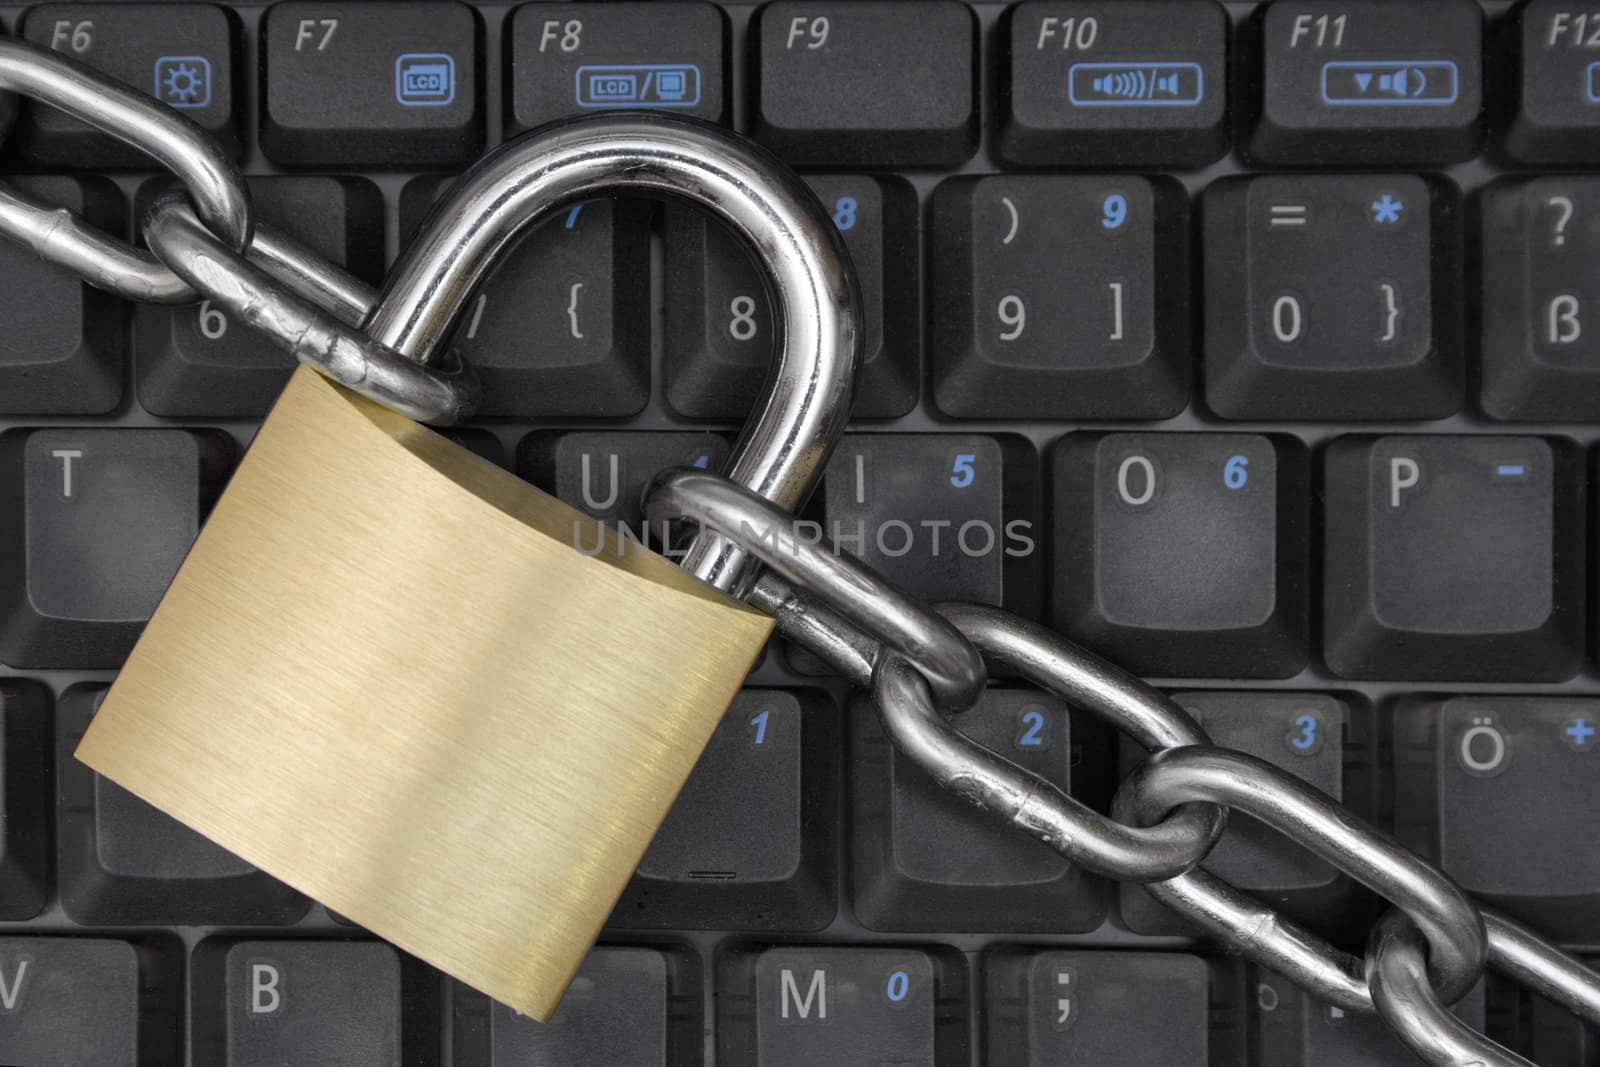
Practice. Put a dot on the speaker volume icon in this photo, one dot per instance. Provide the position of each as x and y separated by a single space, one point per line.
1135 84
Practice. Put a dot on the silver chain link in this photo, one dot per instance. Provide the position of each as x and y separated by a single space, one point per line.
920 664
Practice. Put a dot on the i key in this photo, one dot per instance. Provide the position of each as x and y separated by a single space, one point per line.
353 1003
1541 350
1501 793
1131 84
1370 82
925 859
75 1000
122 862
582 59
798 1007
1312 736
1183 554
882 83
750 842
1558 88
1060 298
563 327
1453 557
62 349
1104 1008
195 360
719 322
928 512
181 54
94 525
404 74
629 1007
1332 298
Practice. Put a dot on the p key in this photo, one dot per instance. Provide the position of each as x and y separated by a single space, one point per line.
1453 557
1332 297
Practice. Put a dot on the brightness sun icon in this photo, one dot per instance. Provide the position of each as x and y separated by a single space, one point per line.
183 83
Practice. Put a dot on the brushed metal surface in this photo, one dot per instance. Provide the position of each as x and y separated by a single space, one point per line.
384 676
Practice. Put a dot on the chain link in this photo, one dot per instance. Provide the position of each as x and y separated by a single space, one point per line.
920 664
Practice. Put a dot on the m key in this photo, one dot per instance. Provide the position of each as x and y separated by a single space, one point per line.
1453 557
1332 297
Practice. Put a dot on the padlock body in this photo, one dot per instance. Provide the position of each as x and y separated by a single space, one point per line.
443 704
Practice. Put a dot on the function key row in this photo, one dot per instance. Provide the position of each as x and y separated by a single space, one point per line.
1174 554
1324 297
753 842
116 1003
1139 83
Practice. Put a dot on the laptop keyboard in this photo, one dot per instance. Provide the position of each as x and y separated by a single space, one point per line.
1250 344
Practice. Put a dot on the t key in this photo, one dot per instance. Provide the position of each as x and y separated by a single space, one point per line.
93 527
1060 298
1183 554
1375 82
1453 557
1332 298
1541 348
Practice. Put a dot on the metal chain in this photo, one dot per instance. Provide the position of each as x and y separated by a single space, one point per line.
1428 950
921 664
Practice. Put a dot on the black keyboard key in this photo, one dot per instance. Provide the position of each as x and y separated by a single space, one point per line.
62 349
867 84
1453 558
1558 1036
182 54
93 527
357 82
1500 792
1141 83
1296 1030
122 862
1060 298
351 1003
931 512
927 860
1370 82
87 1001
24 819
1312 736
195 360
629 1007
606 475
1540 343
798 1007
719 337
1183 554
1557 46
1111 1009
562 327
585 59
750 842
1332 297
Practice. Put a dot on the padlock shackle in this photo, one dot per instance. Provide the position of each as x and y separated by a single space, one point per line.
788 438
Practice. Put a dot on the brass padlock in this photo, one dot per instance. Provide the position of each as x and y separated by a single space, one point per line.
385 673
